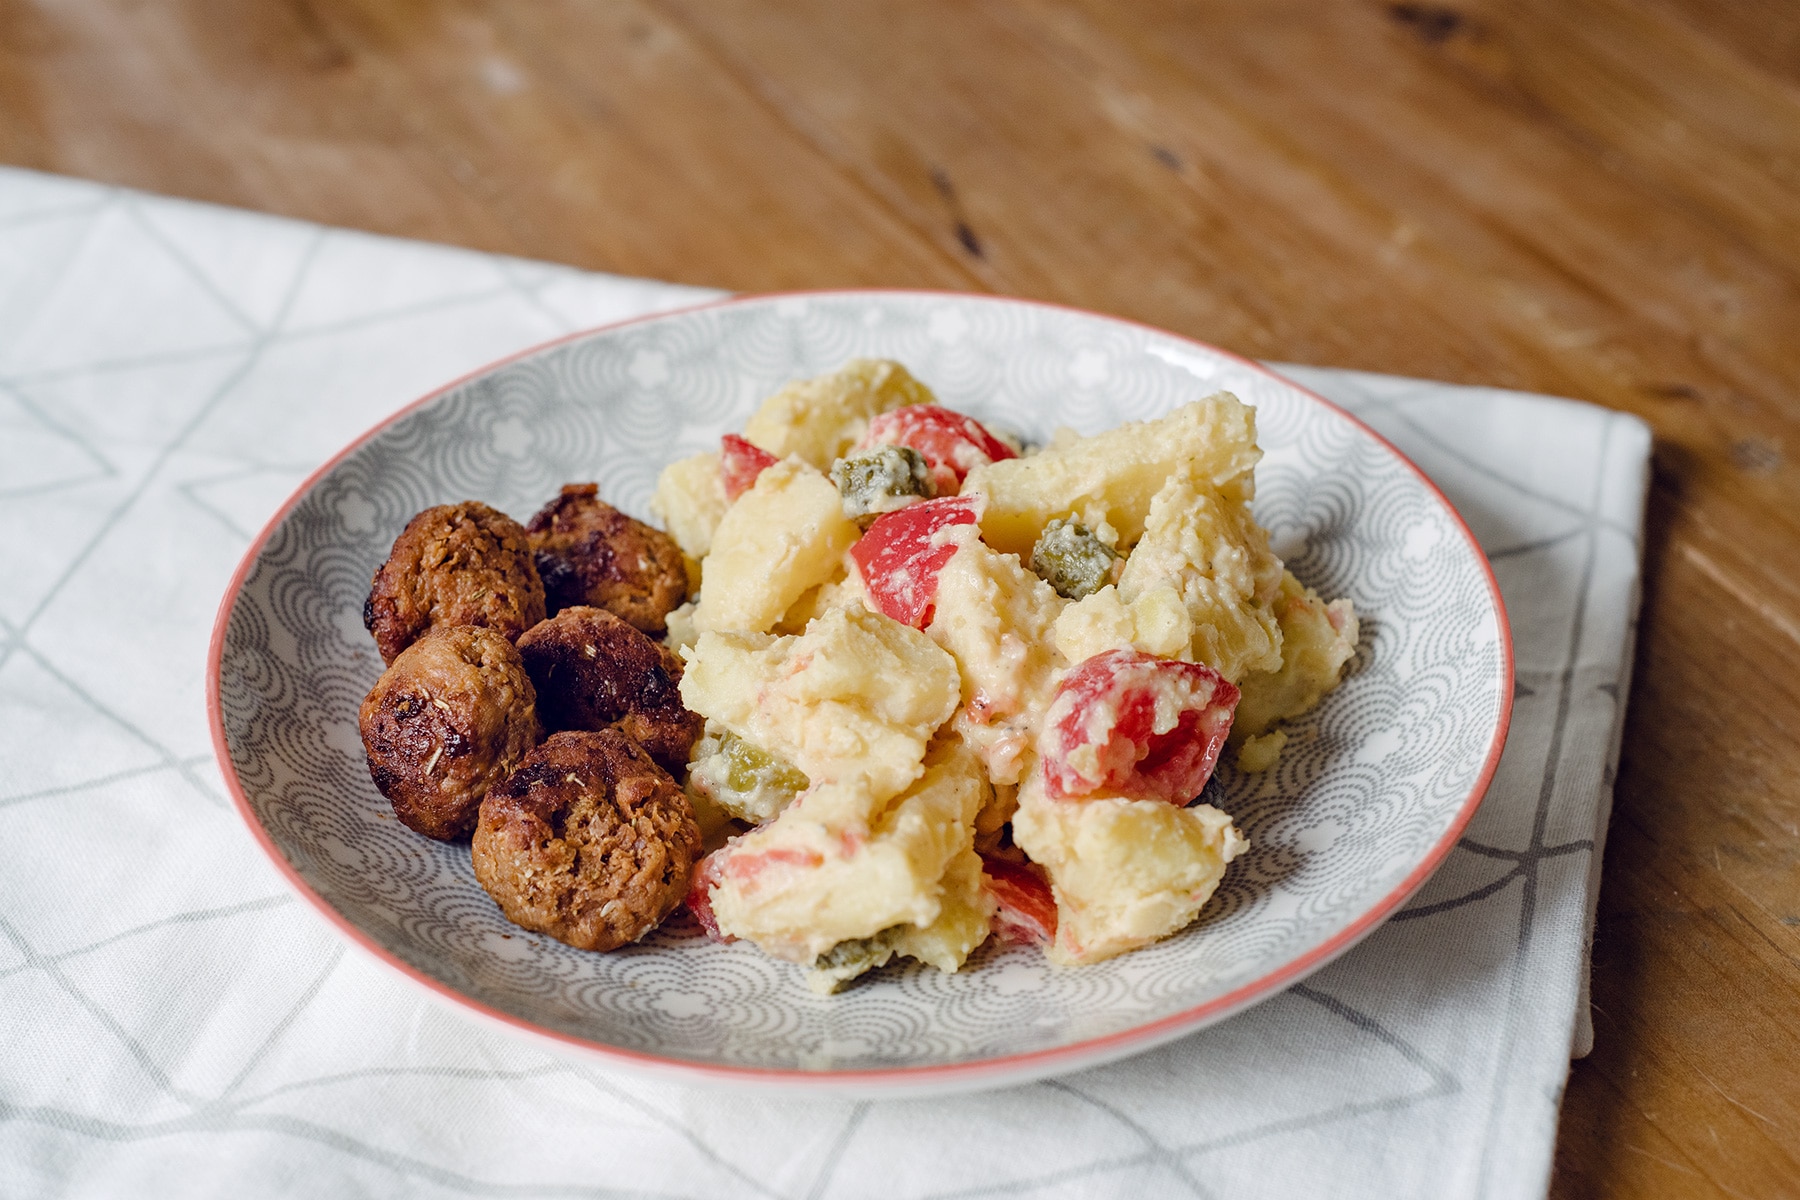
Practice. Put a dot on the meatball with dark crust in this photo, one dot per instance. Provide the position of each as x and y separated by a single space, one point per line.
588 552
589 841
455 564
593 671
453 716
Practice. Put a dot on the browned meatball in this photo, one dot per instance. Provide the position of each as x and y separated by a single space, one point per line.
589 841
593 671
456 564
452 717
588 552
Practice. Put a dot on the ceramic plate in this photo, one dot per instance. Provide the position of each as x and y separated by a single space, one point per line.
1369 795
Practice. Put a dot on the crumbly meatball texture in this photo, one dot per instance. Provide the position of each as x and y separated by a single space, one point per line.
588 552
454 715
594 671
455 564
589 841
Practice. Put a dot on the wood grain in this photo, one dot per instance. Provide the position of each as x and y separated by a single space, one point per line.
1598 198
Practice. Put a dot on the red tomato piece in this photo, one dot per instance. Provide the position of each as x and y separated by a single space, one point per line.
1026 912
699 897
951 444
740 463
900 564
1133 725
743 868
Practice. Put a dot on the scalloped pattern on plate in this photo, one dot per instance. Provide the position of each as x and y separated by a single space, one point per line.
1372 786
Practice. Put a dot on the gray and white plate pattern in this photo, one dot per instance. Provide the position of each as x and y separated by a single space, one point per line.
1369 794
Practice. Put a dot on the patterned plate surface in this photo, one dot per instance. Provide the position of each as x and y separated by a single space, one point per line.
1370 794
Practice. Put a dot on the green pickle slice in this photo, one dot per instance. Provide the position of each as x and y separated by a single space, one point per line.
741 777
1071 559
880 480
847 960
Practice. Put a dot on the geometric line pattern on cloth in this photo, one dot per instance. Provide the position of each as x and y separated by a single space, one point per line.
305 998
218 514
1173 1158
17 634
436 1168
1528 859
184 767
69 789
1524 867
103 468
192 917
1535 851
223 1114
260 340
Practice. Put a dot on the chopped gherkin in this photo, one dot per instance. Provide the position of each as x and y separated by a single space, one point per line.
880 480
848 959
742 778
751 766
1071 559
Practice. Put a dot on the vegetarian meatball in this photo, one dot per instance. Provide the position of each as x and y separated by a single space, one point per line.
589 841
453 716
588 552
594 671
455 564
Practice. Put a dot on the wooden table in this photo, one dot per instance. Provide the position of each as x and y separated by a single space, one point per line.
1598 199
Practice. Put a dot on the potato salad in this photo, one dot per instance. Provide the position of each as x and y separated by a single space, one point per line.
956 689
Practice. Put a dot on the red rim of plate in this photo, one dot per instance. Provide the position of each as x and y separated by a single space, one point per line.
996 1071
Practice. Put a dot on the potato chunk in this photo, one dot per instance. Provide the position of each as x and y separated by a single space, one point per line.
995 619
1156 622
962 921
1317 639
690 502
820 419
1201 584
1125 872
853 700
783 537
1111 477
1219 559
962 924
1260 753
815 876
840 592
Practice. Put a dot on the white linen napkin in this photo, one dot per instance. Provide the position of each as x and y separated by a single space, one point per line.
176 1024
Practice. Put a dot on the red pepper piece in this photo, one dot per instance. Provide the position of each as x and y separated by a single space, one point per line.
740 463
1133 725
1026 912
898 562
699 897
951 444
